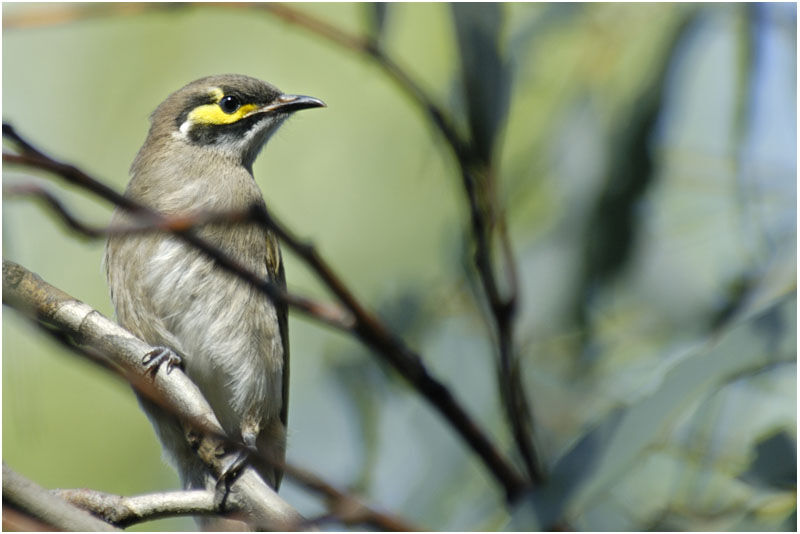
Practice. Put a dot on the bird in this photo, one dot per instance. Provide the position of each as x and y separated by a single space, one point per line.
229 338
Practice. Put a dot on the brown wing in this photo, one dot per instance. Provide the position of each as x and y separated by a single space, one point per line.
283 324
277 274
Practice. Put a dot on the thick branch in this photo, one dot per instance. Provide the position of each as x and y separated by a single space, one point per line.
121 351
88 329
52 510
15 520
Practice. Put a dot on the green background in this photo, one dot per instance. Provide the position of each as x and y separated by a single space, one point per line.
372 185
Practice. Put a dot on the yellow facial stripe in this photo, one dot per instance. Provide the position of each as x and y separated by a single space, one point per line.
213 114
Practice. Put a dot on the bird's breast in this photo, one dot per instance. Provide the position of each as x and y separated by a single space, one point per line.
228 330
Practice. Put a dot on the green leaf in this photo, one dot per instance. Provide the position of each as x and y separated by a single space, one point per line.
603 455
485 72
775 464
377 12
615 220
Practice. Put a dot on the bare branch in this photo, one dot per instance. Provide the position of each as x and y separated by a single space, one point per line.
104 342
367 327
126 511
39 503
88 329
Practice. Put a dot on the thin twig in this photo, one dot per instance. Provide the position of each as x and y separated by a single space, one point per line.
367 46
167 223
483 217
366 327
346 507
68 12
327 313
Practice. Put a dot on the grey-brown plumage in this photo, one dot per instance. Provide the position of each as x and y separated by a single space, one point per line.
232 340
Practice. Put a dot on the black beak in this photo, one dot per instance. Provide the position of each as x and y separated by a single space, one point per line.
292 103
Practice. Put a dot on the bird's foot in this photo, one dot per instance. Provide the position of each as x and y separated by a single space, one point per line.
232 470
159 356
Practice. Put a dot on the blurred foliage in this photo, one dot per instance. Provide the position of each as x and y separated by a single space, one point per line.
646 161
377 19
484 71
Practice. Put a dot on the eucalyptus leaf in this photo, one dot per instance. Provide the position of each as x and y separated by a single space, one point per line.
775 463
363 387
377 18
485 72
603 455
535 24
614 222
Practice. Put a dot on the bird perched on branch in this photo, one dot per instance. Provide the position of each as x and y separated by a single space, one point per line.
230 338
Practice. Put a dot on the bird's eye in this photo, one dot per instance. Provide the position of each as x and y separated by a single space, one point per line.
229 104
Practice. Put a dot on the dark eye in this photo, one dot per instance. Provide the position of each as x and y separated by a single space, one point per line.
229 104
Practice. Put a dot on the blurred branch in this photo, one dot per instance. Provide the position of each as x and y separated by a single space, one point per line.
486 85
167 223
366 327
69 12
371 49
484 217
36 502
17 521
124 511
32 157
346 507
89 331
326 313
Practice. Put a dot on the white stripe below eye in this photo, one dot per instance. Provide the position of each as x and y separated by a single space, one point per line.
184 129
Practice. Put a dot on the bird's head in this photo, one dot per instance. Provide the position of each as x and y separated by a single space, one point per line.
230 115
